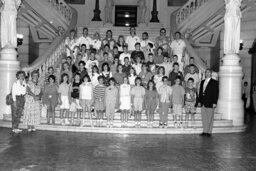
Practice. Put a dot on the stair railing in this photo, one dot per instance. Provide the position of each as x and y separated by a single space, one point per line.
53 55
188 9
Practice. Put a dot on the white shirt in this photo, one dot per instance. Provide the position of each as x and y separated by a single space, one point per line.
131 42
85 40
18 89
165 92
206 83
167 67
123 55
90 64
178 46
85 91
137 68
132 79
195 76
94 79
158 81
96 44
144 44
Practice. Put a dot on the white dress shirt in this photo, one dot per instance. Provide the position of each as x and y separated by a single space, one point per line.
18 89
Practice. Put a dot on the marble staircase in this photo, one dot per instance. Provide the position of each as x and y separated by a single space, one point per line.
153 32
220 125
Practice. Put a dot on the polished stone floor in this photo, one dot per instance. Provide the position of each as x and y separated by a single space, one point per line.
65 151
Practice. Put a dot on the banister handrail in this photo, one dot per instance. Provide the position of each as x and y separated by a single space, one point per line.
198 61
186 10
49 58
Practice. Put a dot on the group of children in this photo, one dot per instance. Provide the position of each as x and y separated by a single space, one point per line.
100 82
131 95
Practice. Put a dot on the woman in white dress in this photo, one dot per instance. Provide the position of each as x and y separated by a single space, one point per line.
125 101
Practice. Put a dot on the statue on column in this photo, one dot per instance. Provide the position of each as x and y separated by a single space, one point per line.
142 9
232 20
108 11
8 22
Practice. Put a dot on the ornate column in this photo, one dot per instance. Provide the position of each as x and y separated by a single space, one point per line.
154 13
8 60
96 12
230 104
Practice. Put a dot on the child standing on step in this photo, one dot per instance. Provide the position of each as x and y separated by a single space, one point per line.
151 99
74 93
190 102
99 100
165 93
86 98
138 93
125 101
64 98
111 101
50 98
178 93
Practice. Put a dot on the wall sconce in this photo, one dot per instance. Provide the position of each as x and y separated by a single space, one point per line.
241 45
19 39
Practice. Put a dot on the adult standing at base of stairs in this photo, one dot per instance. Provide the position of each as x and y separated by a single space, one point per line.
208 97
19 90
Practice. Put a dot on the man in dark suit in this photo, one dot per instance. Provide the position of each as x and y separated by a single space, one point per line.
208 97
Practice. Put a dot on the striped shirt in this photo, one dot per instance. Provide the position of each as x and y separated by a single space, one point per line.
99 92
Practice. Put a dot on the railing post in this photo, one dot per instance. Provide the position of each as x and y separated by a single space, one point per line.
154 13
97 12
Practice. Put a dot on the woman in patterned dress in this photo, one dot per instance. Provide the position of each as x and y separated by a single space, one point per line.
32 108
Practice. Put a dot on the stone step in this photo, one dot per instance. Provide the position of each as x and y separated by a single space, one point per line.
143 117
130 130
144 123
153 32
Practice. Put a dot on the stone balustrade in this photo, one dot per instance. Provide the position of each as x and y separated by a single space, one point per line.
62 8
188 9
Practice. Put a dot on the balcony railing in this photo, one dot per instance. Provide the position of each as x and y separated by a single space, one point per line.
189 8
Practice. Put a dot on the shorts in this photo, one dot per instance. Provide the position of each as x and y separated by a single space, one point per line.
64 102
85 103
177 109
190 107
99 105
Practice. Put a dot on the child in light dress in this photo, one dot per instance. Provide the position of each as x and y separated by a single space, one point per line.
86 98
111 101
64 98
125 101
132 76
151 101
178 93
138 93
94 76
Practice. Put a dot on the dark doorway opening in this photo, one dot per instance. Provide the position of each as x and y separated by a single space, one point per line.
126 15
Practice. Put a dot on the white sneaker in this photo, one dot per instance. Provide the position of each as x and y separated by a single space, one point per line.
33 129
29 130
19 130
67 121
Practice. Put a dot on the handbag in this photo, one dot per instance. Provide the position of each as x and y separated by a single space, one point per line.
8 99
